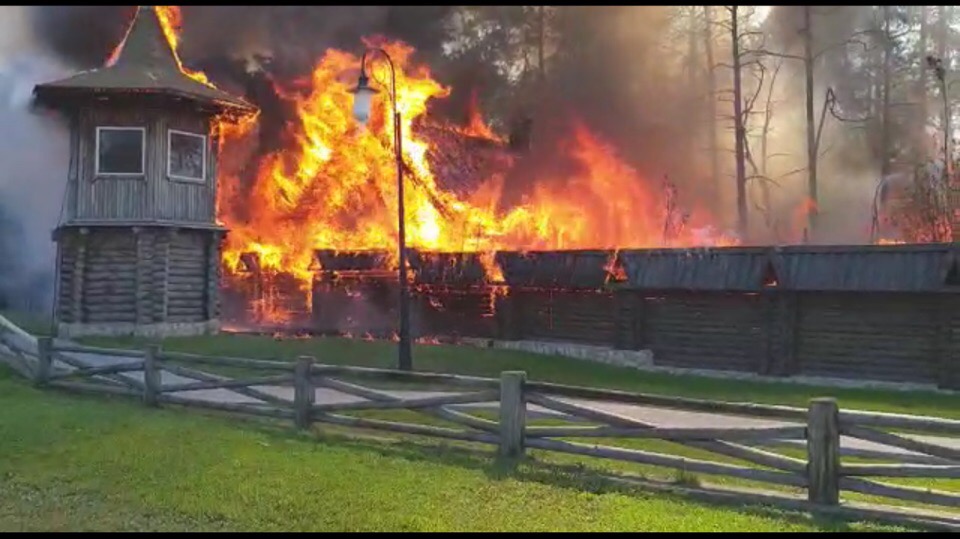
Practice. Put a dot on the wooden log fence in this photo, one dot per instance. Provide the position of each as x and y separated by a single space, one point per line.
820 427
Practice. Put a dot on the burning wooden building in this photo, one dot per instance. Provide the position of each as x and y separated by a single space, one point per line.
139 243
886 313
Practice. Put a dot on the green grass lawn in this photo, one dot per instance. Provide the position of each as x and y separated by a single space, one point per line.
474 361
99 464
489 362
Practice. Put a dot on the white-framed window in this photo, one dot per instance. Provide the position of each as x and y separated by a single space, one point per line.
186 156
120 151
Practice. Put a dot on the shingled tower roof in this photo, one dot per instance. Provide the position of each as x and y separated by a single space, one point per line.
146 64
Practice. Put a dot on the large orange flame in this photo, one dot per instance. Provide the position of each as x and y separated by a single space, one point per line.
336 188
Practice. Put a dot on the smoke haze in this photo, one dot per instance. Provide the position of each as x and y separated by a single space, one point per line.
34 154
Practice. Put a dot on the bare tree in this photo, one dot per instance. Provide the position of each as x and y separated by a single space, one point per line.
762 173
738 128
811 128
712 101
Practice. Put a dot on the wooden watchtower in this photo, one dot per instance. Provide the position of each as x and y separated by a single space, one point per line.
138 244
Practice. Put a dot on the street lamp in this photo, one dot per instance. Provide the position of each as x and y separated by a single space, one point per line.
362 100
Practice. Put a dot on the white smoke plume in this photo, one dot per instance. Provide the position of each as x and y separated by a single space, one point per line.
33 168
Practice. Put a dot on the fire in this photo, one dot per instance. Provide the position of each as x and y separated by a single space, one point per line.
337 187
171 21
475 125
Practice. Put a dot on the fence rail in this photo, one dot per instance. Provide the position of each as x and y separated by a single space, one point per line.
288 391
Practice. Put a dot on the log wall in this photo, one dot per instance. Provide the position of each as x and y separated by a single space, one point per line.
891 337
886 314
885 337
708 331
187 277
468 312
136 276
583 316
358 306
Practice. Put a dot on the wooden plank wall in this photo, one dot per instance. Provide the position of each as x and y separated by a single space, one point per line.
150 196
112 197
180 200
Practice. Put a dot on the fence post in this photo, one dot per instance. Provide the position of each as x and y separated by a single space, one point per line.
304 394
151 375
513 413
823 452
44 361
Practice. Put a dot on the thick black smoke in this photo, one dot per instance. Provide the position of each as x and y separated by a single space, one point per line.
295 36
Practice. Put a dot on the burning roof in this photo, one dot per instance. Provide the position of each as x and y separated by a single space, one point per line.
146 61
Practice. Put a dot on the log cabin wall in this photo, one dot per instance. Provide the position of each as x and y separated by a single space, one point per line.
949 350
879 313
709 330
110 278
139 253
888 313
136 280
451 296
357 305
574 315
454 312
558 296
887 337
187 276
867 312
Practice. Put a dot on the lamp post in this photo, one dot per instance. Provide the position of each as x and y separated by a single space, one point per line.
362 98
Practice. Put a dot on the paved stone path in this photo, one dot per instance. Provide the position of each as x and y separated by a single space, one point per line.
653 415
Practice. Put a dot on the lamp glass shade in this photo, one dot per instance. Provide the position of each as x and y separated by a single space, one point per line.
362 100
